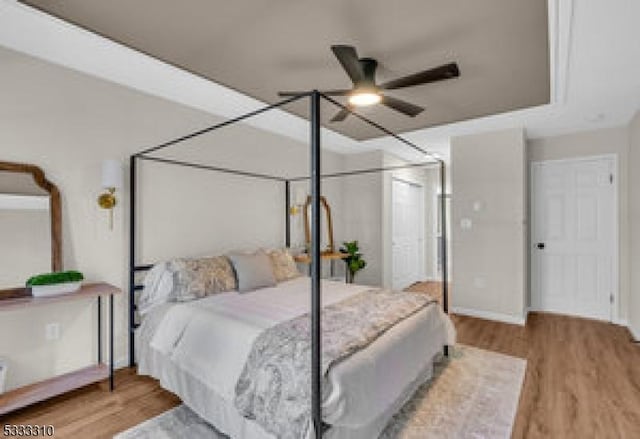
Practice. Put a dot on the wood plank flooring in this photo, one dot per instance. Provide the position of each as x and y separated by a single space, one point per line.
582 381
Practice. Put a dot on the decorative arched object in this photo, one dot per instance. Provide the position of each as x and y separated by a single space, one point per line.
54 206
307 228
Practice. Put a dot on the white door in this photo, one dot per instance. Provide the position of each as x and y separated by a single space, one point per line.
573 237
407 223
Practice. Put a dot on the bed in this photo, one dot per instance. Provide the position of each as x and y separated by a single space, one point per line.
197 350
168 342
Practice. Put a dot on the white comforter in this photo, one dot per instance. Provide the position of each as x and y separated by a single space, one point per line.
211 338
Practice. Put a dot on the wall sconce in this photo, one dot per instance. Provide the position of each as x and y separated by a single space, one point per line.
111 181
299 199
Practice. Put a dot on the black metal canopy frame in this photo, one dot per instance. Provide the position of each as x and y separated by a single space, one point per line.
316 178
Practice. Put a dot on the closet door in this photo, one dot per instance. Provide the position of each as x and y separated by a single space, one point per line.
407 233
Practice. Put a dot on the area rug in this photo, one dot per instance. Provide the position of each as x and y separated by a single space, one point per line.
474 394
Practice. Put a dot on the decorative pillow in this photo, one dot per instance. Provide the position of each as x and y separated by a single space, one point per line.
196 278
284 267
186 279
253 270
158 287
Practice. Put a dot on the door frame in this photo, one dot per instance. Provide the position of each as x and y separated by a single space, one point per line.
437 268
614 309
422 227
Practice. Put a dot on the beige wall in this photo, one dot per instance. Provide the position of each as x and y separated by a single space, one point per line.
597 142
634 224
591 143
363 197
489 189
367 213
67 123
186 211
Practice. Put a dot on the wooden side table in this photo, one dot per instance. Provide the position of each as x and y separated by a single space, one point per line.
305 258
32 393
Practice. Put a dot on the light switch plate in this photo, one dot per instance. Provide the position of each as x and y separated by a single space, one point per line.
52 331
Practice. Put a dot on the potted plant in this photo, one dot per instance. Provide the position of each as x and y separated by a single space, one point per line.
53 284
353 260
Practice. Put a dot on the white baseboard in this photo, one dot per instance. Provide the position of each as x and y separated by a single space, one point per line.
121 363
635 333
431 279
620 322
488 315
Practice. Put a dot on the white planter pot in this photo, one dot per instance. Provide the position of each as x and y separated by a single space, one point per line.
55 290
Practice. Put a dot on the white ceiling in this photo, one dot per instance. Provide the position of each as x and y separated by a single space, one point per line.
594 63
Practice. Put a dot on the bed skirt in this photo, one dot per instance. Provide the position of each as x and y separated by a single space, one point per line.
223 415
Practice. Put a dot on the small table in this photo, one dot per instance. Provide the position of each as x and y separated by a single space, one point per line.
32 393
305 258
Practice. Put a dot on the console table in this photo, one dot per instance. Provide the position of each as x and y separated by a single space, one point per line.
305 258
32 393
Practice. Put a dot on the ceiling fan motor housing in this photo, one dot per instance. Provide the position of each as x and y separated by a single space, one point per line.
368 66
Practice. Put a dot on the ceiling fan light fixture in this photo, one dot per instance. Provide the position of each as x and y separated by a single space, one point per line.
367 92
365 98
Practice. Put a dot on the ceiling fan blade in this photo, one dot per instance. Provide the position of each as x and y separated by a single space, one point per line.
340 115
443 72
325 92
348 58
336 92
403 107
284 94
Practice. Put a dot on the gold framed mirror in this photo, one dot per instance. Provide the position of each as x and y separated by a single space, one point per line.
329 225
30 223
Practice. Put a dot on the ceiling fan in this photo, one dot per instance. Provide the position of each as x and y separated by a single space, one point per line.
365 91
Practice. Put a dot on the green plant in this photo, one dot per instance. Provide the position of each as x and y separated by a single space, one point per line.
55 278
353 260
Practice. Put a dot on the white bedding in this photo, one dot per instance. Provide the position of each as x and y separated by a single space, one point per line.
208 341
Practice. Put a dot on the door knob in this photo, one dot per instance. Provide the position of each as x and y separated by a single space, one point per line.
540 245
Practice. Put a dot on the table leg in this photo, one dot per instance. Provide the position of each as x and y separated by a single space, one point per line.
99 329
111 384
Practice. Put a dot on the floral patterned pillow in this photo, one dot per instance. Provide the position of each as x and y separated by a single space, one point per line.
284 267
200 277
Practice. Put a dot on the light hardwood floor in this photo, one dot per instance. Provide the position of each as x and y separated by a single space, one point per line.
582 381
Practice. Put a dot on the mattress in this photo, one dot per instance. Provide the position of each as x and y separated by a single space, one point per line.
197 350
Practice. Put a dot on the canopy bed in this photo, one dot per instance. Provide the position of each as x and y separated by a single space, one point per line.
219 353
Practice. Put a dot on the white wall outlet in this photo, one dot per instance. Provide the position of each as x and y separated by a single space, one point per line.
52 331
466 223
4 365
477 206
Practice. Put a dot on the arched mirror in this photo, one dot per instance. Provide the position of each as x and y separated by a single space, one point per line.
30 224
327 236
